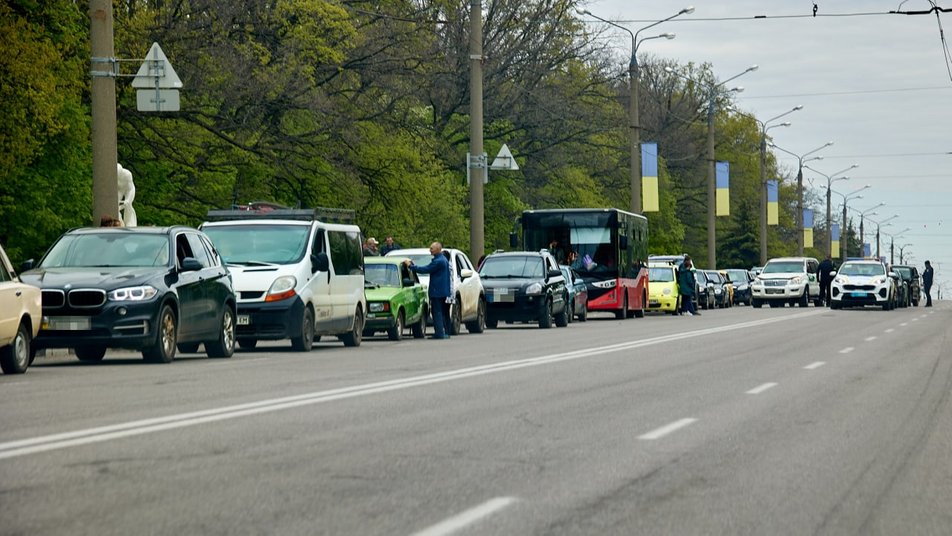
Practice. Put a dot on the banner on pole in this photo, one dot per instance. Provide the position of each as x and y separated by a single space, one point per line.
835 239
867 250
808 228
773 203
722 200
649 177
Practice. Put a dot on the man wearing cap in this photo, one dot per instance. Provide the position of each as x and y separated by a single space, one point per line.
370 247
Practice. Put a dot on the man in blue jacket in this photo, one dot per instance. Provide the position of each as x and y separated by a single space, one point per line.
439 289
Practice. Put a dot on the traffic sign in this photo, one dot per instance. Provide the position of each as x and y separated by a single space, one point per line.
504 161
156 72
157 100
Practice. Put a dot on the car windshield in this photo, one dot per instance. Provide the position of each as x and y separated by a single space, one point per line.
783 267
421 259
515 266
904 272
108 249
259 244
737 276
385 275
862 269
660 275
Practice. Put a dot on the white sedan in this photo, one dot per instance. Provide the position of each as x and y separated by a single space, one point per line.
21 313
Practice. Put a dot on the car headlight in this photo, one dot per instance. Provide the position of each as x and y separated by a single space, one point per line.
666 292
534 289
797 280
281 289
879 280
717 291
141 293
841 279
378 307
742 287
604 284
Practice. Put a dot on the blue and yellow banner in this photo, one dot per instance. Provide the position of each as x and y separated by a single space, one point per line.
722 181
773 203
649 177
867 250
835 240
808 227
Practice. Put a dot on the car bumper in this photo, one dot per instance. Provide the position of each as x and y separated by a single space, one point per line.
116 325
662 303
379 321
270 321
842 296
787 292
522 308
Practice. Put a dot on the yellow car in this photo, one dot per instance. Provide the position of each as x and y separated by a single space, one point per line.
663 294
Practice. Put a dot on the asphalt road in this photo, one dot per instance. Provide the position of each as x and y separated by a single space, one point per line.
740 421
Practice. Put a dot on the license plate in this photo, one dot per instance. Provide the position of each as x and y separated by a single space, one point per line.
654 302
244 320
68 323
503 295
858 294
773 291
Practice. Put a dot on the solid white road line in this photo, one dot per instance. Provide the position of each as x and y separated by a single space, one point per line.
22 447
890 330
667 429
870 339
847 350
816 365
761 388
464 519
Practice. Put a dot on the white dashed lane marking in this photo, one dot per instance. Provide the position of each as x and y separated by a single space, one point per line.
464 519
816 365
847 350
890 330
761 388
870 339
667 429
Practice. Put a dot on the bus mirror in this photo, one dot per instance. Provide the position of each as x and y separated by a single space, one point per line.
513 240
623 242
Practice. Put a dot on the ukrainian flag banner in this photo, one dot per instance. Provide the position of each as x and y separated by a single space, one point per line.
649 177
808 227
835 240
722 182
867 250
773 203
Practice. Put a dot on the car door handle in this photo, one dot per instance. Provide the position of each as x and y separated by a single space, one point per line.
19 293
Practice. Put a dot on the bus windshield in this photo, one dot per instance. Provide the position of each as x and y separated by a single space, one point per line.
259 244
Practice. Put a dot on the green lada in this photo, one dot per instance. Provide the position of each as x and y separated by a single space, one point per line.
395 298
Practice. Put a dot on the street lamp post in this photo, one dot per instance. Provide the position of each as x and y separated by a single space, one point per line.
764 127
862 216
844 250
902 248
892 244
801 159
882 223
713 91
633 113
830 179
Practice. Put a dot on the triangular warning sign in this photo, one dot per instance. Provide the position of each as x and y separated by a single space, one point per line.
156 71
504 160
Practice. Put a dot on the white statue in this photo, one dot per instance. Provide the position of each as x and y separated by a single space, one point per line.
127 194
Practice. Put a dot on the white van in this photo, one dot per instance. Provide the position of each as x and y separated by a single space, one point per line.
296 276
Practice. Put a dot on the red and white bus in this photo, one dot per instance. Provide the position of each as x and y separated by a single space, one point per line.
608 247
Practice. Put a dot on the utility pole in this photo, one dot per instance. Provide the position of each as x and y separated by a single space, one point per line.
477 160
103 96
711 186
635 127
763 197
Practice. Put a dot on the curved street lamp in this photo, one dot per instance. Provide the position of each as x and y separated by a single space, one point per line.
830 179
713 91
846 199
633 119
801 159
764 127
862 216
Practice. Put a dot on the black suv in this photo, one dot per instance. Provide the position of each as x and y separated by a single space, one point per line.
909 274
143 288
524 286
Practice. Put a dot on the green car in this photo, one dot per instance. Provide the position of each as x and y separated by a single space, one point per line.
395 298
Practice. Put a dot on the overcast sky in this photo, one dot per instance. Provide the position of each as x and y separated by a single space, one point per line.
876 85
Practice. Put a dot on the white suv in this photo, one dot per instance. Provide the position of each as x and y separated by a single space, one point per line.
790 280
863 283
470 305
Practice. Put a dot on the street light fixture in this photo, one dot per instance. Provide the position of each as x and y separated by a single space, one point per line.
633 119
846 199
713 91
801 159
892 244
830 179
862 216
882 223
764 127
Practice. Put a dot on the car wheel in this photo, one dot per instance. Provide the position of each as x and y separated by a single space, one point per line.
545 317
640 312
583 316
572 312
419 329
562 319
395 333
456 314
224 346
162 350
352 337
805 299
247 344
623 312
15 357
491 322
478 325
304 340
756 304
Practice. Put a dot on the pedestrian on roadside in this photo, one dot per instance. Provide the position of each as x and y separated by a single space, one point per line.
438 289
927 275
389 245
686 285
826 267
370 247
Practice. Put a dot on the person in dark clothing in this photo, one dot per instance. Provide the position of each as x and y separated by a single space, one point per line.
389 245
927 282
826 266
686 285
438 290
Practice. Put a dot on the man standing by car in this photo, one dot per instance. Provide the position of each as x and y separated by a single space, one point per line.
439 288
826 279
927 282
686 285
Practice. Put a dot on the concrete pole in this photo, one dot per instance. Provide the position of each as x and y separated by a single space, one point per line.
892 252
800 208
844 236
635 127
476 222
711 189
877 241
862 244
763 197
829 221
103 101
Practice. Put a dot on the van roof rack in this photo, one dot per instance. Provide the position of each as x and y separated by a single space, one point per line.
256 211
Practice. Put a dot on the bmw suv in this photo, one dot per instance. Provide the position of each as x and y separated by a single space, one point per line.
524 286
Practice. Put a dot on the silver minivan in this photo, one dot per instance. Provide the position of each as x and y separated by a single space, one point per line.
296 274
790 280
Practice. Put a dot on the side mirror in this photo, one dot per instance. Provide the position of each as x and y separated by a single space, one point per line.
467 273
27 265
513 240
833 273
191 264
554 273
320 262
893 275
623 242
408 282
